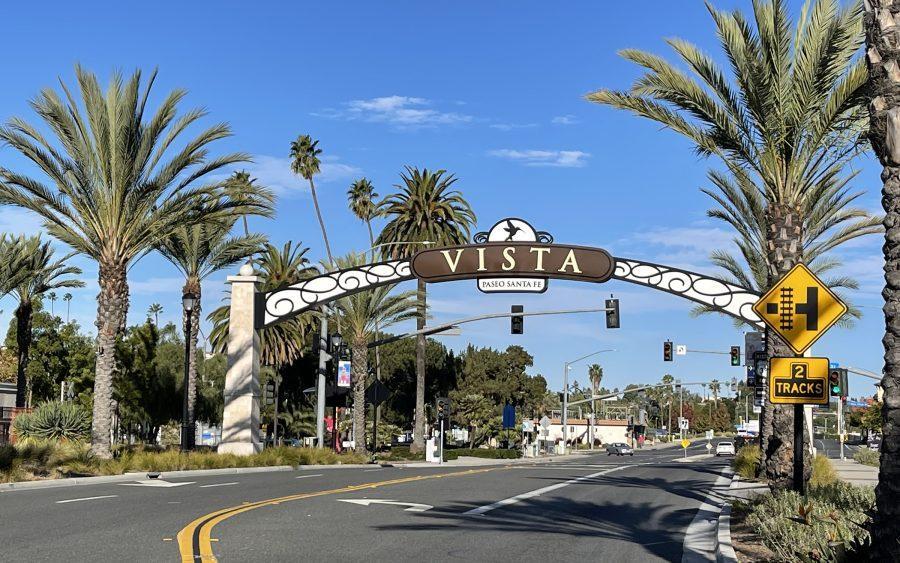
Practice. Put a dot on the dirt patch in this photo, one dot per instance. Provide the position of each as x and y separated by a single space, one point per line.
747 543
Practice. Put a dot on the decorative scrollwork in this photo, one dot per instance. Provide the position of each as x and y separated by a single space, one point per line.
480 238
544 237
289 301
722 296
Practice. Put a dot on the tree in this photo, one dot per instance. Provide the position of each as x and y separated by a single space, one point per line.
787 121
425 208
474 411
154 310
41 275
881 34
361 313
51 296
361 198
305 162
68 299
242 188
117 186
198 251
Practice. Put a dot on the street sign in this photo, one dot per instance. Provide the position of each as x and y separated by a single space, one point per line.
753 343
545 422
681 350
709 434
685 443
798 381
708 446
757 409
683 423
834 365
527 426
377 393
800 294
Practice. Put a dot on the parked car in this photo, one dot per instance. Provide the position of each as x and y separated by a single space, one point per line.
725 448
619 449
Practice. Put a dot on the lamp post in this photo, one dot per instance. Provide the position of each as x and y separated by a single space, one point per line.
336 341
565 413
188 302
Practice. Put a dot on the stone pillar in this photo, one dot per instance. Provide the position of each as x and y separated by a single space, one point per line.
240 422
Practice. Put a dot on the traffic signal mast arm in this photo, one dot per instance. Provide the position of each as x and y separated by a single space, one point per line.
636 389
442 327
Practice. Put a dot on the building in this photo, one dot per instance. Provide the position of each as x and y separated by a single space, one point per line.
605 430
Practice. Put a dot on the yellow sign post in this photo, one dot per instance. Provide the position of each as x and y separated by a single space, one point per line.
800 308
798 381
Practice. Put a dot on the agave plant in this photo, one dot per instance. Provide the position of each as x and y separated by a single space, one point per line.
55 421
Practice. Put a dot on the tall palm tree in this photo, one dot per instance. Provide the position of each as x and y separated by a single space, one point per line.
198 251
51 296
425 208
361 196
42 273
68 299
305 162
884 107
789 117
361 313
240 187
115 180
595 375
154 310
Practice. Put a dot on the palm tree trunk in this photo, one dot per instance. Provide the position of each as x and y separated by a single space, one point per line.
192 286
881 24
376 409
418 443
359 368
315 199
112 310
23 343
783 249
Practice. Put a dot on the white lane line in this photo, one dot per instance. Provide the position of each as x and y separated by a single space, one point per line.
305 476
371 470
700 535
481 510
85 498
218 485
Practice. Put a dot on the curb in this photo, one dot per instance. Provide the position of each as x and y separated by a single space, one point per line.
724 549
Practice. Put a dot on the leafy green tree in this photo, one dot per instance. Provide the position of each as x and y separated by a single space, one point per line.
113 184
784 124
425 208
474 412
42 273
361 313
305 162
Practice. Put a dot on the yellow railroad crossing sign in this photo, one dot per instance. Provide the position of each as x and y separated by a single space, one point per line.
798 381
800 308
685 443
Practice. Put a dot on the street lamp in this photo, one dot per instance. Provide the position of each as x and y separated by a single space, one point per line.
565 413
188 303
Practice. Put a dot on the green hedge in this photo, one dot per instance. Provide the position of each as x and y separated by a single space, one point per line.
867 456
483 453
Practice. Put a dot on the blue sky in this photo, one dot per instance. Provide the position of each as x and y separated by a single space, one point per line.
488 92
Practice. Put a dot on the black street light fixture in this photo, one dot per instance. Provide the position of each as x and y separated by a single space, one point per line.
188 303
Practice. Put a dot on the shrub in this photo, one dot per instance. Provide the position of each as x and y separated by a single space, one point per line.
401 453
823 472
54 421
483 453
746 462
821 526
7 456
868 456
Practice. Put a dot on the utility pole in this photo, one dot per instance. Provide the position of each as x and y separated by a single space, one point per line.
320 388
681 410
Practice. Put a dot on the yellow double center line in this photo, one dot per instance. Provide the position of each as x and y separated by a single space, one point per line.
195 539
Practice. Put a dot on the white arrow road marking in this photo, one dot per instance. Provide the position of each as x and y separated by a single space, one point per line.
85 498
157 483
481 510
218 485
413 506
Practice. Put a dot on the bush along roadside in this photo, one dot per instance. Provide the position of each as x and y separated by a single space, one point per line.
746 462
867 456
483 453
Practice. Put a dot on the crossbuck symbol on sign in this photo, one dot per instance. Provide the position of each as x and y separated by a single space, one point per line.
787 308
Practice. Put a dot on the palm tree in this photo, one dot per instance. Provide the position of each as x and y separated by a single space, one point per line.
68 299
52 297
882 57
361 313
154 310
240 187
788 118
714 387
425 208
41 274
305 162
198 251
120 181
361 197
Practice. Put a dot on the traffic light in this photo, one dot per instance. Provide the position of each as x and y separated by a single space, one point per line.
734 385
270 392
443 407
612 313
735 355
517 322
667 351
837 382
845 385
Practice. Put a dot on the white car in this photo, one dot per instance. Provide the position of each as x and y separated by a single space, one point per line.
724 448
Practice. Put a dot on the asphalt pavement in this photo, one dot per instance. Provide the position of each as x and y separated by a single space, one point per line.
589 507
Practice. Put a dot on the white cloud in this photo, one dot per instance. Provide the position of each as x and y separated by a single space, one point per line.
562 159
405 112
275 173
511 126
564 120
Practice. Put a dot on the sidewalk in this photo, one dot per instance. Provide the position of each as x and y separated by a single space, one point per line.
856 473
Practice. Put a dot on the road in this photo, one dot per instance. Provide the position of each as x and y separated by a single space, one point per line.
593 507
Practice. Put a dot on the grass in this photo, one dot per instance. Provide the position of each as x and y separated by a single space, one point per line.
868 456
34 459
746 462
823 472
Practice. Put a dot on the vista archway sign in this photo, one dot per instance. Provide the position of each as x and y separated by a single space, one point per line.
511 257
